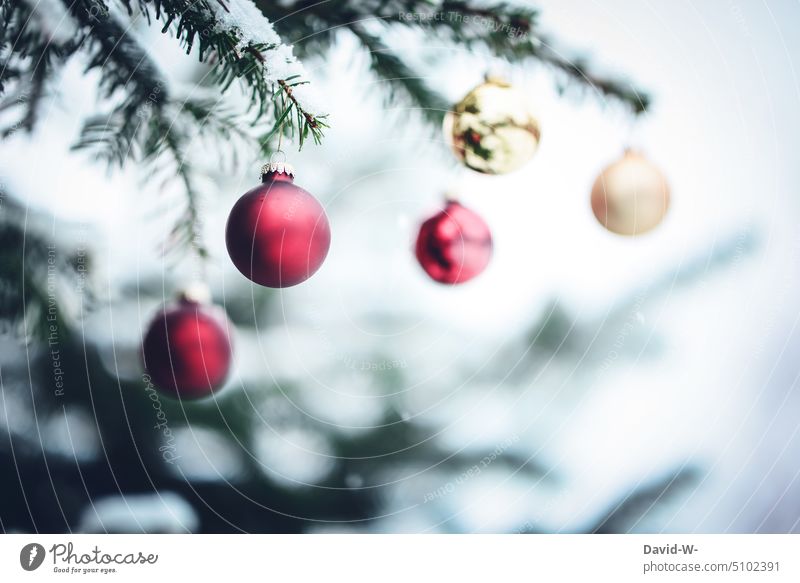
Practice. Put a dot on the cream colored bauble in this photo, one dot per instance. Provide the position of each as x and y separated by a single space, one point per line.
631 196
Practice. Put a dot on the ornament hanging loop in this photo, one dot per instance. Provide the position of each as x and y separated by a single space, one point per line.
277 160
277 164
273 159
451 195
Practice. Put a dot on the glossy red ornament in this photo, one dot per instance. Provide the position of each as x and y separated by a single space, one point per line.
454 245
186 349
277 233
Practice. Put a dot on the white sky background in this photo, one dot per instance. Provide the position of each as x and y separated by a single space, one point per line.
724 127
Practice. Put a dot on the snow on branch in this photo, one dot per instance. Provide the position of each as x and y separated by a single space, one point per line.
238 41
282 72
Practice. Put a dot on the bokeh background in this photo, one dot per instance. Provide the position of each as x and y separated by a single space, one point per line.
584 383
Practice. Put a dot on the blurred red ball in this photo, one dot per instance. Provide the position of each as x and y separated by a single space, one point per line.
277 233
454 245
187 351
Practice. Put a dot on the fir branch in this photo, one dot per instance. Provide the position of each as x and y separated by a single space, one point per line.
310 26
508 30
191 223
34 273
124 66
233 56
28 59
579 71
628 512
511 31
391 68
38 78
247 52
146 125
309 125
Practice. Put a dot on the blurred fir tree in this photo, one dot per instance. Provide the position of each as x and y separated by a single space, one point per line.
146 121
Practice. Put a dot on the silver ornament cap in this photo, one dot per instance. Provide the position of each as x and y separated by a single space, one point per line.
277 168
197 292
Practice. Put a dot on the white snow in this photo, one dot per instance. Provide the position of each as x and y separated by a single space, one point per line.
54 20
164 512
254 28
247 18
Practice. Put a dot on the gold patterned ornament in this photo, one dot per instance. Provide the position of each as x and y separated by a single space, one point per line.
493 129
631 196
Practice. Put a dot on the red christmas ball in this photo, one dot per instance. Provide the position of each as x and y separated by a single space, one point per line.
277 233
454 245
187 351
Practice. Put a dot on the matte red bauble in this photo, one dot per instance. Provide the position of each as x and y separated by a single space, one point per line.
277 233
186 349
454 245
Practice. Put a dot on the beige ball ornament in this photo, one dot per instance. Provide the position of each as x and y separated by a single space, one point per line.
631 196
493 129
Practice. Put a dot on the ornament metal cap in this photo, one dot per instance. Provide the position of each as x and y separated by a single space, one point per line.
451 195
495 78
273 167
196 292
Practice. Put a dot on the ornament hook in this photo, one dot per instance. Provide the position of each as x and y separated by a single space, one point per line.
277 152
274 165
